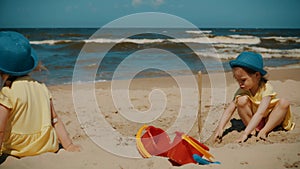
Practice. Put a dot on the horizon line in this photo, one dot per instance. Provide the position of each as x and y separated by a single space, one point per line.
148 27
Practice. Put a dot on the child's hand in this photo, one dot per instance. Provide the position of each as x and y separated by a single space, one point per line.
218 135
73 148
243 138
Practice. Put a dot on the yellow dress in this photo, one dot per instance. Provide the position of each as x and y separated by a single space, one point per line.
266 89
29 130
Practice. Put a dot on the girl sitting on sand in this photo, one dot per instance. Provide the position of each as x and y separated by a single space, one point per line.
255 100
29 124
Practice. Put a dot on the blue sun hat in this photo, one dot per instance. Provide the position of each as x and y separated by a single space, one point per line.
17 57
249 60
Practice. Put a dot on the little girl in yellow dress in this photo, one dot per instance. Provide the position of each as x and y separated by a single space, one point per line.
255 100
29 124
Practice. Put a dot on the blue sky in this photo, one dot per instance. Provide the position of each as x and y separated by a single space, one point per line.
202 13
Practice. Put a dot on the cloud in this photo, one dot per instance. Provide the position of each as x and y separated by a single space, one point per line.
147 2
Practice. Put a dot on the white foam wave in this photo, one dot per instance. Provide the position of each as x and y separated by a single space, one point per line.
228 53
218 55
205 40
138 41
277 53
218 40
50 42
99 40
86 82
233 40
242 36
199 32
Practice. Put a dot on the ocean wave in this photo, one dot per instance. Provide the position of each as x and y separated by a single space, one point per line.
199 32
217 55
51 42
86 82
276 53
230 40
137 41
205 40
266 53
283 39
242 36
220 45
201 40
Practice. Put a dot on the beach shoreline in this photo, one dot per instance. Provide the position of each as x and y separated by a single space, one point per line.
281 151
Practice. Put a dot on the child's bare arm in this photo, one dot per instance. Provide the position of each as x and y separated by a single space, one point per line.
61 132
257 117
3 120
224 120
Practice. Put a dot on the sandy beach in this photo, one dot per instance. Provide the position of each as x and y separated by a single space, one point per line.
282 150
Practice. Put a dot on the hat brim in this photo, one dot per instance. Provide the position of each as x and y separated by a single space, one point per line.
34 64
236 63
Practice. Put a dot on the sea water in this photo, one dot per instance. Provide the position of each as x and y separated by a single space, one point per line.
106 54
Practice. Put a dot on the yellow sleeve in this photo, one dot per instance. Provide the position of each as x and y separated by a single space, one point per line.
269 91
4 100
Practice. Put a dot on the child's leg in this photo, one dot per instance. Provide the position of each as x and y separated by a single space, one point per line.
275 118
243 104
